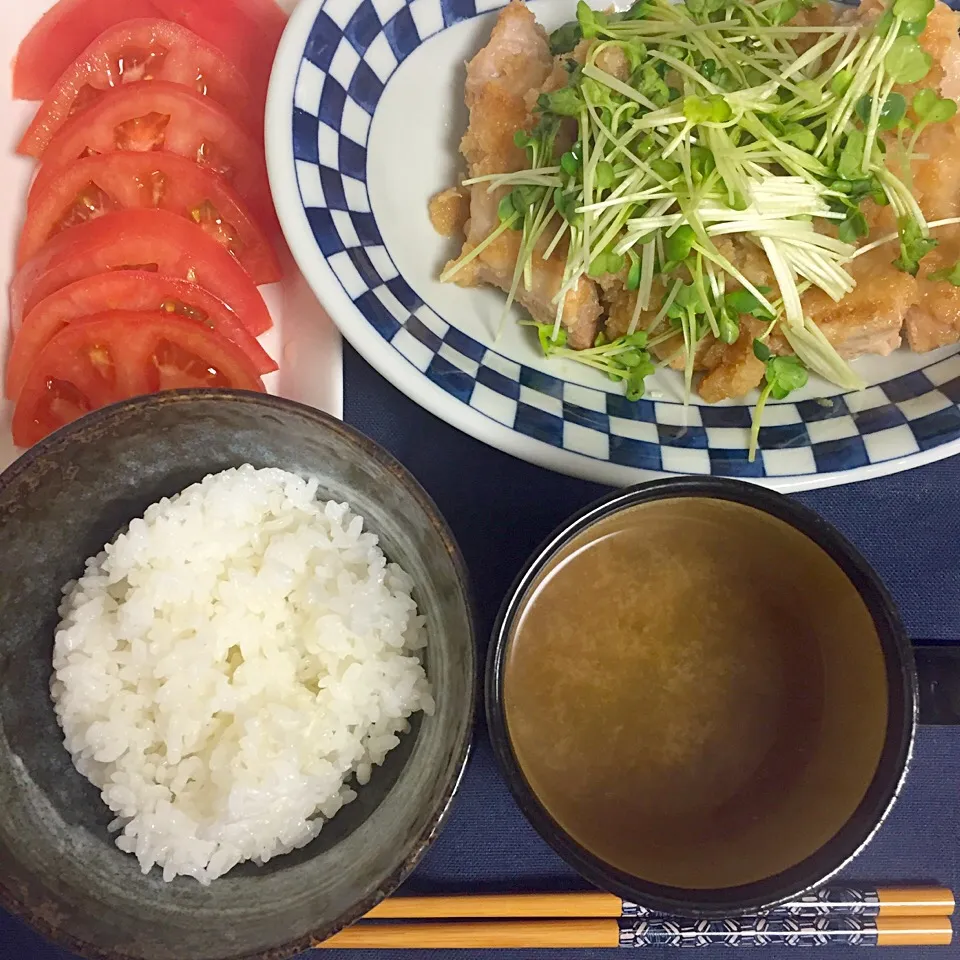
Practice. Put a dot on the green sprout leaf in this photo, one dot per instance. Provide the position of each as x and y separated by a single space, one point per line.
948 275
606 262
906 61
713 109
702 163
666 168
696 110
566 204
600 95
783 11
522 139
570 164
635 385
637 11
851 157
783 375
624 359
590 21
930 108
841 82
729 327
854 227
565 38
743 301
891 113
566 102
547 343
912 10
800 136
605 177
677 246
635 52
700 10
686 299
525 198
647 81
908 28
914 246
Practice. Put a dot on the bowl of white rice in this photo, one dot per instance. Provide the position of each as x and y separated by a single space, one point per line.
236 678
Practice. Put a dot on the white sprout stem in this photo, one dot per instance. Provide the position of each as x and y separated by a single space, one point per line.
458 265
647 263
786 281
541 177
608 80
890 237
557 237
815 350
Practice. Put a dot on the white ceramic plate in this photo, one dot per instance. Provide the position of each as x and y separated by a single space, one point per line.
303 341
363 120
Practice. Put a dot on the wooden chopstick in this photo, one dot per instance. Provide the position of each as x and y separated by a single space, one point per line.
836 901
599 932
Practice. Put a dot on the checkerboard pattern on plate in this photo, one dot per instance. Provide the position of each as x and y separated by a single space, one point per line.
353 49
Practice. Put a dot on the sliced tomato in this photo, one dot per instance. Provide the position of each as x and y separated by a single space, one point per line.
139 50
61 35
98 185
152 240
266 15
248 31
157 115
140 293
92 363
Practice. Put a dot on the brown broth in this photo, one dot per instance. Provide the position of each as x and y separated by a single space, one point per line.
696 693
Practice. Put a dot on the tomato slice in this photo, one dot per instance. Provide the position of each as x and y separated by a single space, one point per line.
61 35
248 31
92 363
139 50
157 115
98 185
266 15
130 290
152 240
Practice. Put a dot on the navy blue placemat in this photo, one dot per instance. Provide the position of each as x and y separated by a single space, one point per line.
500 509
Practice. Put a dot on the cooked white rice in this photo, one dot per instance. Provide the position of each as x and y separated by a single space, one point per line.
227 666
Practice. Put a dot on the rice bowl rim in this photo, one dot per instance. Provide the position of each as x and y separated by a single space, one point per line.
48 455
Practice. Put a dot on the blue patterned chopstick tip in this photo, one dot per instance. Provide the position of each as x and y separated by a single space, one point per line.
750 931
830 901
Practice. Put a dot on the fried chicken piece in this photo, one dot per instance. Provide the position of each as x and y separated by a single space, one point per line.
449 211
733 369
935 320
503 80
516 60
870 317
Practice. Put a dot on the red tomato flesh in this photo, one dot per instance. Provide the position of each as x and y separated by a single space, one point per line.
109 358
152 240
102 184
139 50
267 16
248 31
142 295
157 115
61 35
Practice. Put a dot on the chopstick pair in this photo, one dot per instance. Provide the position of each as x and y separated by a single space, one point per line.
902 916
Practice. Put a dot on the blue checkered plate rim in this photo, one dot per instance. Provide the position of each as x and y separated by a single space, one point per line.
364 115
